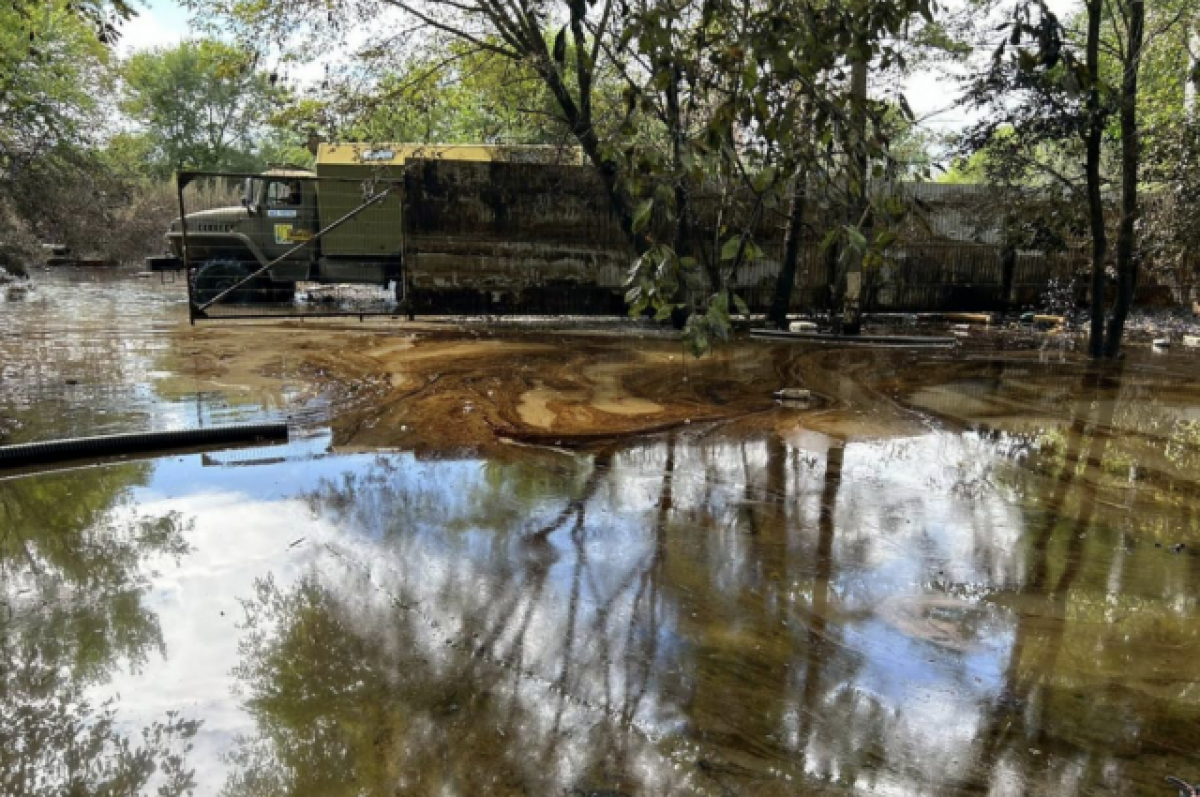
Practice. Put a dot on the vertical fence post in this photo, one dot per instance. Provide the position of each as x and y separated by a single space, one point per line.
181 181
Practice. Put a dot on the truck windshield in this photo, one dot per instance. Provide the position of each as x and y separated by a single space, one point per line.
283 193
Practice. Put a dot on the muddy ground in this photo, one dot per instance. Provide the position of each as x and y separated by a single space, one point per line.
456 388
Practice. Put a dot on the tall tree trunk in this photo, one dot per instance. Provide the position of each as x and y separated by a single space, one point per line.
683 232
833 258
1093 140
1127 262
852 308
785 283
1008 270
579 119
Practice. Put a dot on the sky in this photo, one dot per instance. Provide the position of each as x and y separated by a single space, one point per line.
159 23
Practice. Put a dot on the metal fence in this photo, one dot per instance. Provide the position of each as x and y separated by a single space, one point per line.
516 238
286 244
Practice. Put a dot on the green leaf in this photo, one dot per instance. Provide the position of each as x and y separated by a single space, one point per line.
721 303
664 195
858 241
641 218
730 248
750 73
764 179
639 307
695 336
740 304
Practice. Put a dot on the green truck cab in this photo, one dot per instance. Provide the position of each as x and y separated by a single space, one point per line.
339 223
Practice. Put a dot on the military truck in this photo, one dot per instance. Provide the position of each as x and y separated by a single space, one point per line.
262 248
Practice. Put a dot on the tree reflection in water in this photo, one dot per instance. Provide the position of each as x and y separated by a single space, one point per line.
73 565
728 613
982 603
1098 687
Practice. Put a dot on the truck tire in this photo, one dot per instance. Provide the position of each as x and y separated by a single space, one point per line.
217 276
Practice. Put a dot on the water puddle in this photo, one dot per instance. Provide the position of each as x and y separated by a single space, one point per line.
951 576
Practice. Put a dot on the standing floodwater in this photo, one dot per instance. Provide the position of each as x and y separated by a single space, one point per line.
90 352
964 573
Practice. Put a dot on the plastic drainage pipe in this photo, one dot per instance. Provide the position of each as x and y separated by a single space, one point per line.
135 443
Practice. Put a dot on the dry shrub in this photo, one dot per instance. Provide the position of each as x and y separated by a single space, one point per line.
137 224
19 247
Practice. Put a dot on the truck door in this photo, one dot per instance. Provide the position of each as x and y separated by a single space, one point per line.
291 209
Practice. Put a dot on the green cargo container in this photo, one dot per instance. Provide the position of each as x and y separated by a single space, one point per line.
356 172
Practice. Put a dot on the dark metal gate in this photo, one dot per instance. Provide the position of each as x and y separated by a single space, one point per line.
289 244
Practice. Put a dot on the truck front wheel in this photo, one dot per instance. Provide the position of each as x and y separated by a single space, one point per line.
217 276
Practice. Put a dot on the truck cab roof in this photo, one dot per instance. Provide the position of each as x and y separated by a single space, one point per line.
288 170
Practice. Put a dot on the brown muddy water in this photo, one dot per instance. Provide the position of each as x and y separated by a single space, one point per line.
968 572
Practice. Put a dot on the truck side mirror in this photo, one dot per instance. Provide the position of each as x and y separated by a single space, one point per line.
247 196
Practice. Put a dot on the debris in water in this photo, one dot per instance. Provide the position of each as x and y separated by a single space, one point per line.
1191 340
793 394
1041 320
1162 343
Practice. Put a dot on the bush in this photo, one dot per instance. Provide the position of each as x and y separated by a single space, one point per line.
18 247
87 206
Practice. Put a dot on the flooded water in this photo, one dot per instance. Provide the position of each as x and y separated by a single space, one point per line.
91 352
963 573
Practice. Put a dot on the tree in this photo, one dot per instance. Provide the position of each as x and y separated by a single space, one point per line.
1169 133
1049 116
462 96
776 105
53 69
103 16
1040 101
200 105
1127 264
713 92
73 577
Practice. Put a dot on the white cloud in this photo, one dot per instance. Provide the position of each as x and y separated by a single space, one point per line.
151 28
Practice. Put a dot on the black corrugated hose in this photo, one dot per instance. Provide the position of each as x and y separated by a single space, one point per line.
135 443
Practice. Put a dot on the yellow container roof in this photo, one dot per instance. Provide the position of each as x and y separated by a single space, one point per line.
382 154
